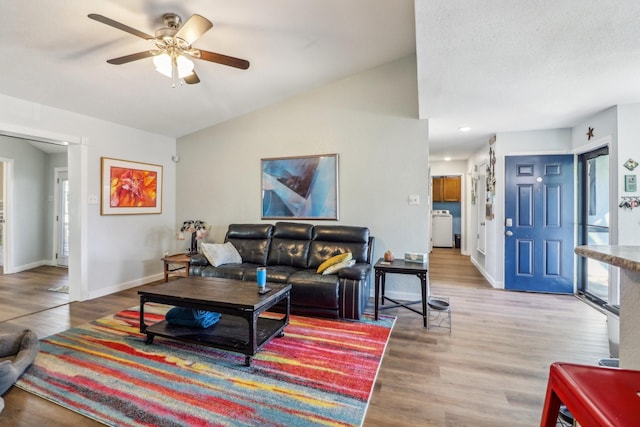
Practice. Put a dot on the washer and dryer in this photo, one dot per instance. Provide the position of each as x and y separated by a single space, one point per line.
442 229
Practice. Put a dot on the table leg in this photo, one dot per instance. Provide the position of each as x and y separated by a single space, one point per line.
143 326
378 274
423 286
166 272
288 309
253 336
384 287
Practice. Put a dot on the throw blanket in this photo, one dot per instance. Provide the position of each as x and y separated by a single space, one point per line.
194 318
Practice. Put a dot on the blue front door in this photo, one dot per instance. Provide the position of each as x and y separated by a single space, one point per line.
539 223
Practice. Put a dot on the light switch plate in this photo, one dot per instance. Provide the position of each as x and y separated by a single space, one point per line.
414 199
93 199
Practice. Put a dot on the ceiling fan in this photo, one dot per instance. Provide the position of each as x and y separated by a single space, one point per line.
174 47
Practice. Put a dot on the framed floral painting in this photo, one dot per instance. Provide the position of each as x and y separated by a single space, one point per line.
130 188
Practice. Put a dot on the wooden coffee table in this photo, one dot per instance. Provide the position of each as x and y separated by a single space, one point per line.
241 329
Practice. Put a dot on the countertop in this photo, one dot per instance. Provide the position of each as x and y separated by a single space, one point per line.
626 257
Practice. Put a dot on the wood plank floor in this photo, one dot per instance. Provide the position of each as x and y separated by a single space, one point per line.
26 292
490 371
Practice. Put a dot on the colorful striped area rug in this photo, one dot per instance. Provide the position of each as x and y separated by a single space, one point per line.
320 373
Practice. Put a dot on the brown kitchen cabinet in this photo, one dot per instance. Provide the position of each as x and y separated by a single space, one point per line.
446 188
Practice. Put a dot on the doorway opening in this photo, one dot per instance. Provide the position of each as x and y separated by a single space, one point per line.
29 193
61 221
593 173
446 211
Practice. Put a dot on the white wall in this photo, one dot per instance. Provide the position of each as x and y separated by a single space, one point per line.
628 148
369 119
442 168
29 210
108 253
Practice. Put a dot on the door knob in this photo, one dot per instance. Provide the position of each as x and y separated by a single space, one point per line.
508 233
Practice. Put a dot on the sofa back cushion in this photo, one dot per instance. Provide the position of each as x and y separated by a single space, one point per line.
251 240
331 240
290 244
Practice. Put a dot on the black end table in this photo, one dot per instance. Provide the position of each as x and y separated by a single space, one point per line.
383 267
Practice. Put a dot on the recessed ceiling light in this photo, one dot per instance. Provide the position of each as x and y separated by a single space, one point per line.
464 128
447 159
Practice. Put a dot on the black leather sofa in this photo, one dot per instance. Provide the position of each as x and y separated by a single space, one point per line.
292 252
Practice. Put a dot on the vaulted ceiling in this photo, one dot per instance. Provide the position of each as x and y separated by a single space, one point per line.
500 65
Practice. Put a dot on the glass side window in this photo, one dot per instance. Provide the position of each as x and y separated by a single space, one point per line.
594 222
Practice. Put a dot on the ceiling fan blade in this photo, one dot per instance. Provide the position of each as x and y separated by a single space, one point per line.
192 79
195 27
120 26
223 59
133 57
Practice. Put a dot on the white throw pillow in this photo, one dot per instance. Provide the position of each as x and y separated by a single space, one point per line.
221 253
339 266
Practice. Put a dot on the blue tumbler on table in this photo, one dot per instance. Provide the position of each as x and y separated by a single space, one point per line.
261 278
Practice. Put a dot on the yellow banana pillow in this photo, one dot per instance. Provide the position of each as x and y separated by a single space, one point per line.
334 260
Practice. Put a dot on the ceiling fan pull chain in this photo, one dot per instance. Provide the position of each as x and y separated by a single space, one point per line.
174 72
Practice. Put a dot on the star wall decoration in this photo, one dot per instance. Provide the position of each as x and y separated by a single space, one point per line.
589 134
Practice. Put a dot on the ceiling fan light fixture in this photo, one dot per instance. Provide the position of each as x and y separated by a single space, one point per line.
185 66
165 65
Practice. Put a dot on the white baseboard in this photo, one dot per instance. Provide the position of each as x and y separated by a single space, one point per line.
492 282
31 265
124 286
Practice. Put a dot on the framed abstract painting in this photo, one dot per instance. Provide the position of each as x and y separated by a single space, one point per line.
304 187
130 188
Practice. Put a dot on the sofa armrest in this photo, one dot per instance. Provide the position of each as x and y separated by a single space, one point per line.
354 290
359 271
199 259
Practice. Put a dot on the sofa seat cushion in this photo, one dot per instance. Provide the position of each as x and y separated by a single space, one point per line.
228 271
311 289
275 273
